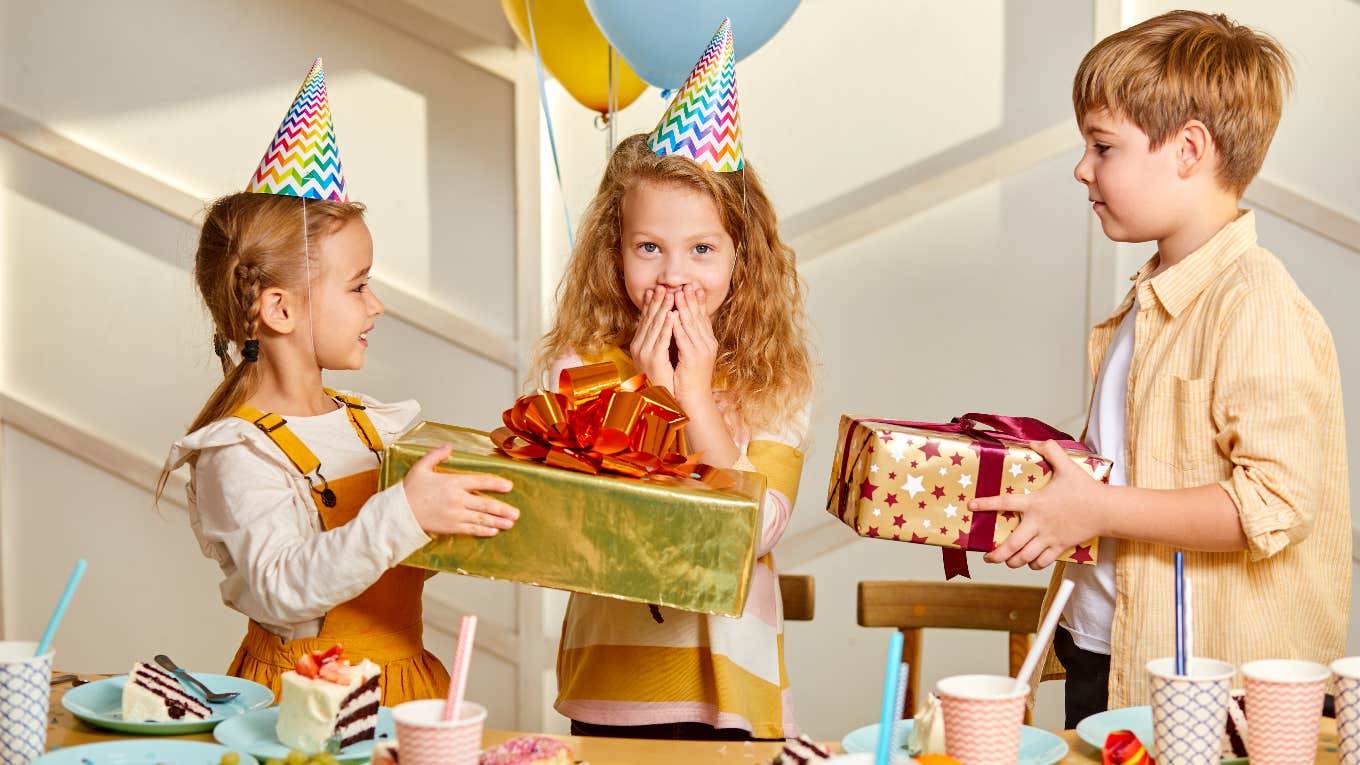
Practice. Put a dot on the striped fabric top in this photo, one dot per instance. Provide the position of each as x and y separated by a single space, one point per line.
619 666
1234 381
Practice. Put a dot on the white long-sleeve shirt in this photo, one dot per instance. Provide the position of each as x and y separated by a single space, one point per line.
253 513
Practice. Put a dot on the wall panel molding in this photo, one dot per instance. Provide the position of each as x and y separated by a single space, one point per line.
415 309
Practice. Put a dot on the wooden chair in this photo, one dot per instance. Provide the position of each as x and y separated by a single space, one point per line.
799 592
913 606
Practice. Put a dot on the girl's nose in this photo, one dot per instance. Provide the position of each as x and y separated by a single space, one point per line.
673 274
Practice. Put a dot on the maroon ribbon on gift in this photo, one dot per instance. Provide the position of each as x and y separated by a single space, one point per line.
991 445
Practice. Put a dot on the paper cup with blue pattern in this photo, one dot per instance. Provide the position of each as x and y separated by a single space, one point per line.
1347 673
25 688
1190 711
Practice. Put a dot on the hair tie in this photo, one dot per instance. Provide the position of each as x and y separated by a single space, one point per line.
251 350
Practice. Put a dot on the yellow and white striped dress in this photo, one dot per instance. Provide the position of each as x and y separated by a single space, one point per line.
618 666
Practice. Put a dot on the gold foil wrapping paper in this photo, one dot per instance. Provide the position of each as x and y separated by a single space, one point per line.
662 540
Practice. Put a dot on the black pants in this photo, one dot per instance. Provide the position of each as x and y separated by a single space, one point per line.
684 731
1088 679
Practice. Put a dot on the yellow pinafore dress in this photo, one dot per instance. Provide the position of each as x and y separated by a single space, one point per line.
383 623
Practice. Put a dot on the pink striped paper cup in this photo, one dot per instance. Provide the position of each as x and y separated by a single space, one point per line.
423 738
982 718
1284 706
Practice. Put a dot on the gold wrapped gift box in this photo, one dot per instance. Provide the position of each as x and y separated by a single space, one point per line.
676 542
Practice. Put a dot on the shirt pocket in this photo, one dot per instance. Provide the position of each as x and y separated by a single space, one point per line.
1184 428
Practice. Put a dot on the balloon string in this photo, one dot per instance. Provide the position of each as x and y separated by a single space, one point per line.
547 117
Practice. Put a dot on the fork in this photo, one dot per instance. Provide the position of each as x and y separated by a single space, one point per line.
213 698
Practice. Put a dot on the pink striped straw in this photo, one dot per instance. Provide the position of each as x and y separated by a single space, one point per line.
462 657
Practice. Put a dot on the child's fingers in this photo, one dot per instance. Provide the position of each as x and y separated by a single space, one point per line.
468 529
1046 559
1053 455
1002 503
683 338
1027 554
432 459
484 482
650 330
495 509
1011 544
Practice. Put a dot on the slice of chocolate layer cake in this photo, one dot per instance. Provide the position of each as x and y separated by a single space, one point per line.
153 695
325 697
358 718
1235 735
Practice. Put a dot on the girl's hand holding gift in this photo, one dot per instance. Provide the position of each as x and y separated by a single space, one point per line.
448 503
1068 511
651 346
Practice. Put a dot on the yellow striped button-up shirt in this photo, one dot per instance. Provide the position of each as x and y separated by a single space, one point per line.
1234 381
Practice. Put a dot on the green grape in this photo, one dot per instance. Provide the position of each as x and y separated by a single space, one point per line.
230 758
295 758
325 758
273 761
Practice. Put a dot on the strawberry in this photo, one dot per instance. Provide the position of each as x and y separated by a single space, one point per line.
333 653
335 672
307 666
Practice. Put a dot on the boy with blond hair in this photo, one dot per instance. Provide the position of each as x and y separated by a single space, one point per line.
1217 392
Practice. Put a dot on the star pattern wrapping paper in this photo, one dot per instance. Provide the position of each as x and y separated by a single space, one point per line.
914 485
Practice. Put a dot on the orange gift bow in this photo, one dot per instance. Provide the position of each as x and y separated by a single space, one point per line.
1122 747
599 422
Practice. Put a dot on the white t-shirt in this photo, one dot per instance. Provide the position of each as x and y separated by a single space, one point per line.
1090 611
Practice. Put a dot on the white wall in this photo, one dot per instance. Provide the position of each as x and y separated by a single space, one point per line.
977 302
100 328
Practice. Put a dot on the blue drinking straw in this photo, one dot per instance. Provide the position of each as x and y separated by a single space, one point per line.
888 717
1180 613
60 611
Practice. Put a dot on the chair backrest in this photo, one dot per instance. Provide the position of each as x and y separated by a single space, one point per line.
799 592
913 606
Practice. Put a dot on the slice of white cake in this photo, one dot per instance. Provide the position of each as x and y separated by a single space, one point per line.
153 695
325 696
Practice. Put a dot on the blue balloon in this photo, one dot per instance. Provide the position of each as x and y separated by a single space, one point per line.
663 39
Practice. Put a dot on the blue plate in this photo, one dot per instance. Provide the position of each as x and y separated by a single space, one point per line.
1037 747
1095 728
101 704
254 733
144 751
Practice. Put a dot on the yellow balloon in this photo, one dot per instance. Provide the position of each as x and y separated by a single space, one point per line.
574 50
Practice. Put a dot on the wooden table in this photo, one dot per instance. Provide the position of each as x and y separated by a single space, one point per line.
65 730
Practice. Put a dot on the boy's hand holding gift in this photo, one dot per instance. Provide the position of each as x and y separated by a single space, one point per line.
952 485
1067 512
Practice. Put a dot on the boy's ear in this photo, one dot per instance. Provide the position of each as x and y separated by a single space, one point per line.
1195 147
277 311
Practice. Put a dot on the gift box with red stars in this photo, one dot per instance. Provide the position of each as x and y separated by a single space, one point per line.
912 481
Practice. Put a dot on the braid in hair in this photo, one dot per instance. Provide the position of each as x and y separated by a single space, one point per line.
248 292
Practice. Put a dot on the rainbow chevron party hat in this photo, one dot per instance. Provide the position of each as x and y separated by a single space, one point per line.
703 122
302 160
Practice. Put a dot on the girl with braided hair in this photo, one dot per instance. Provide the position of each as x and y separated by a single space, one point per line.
283 471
